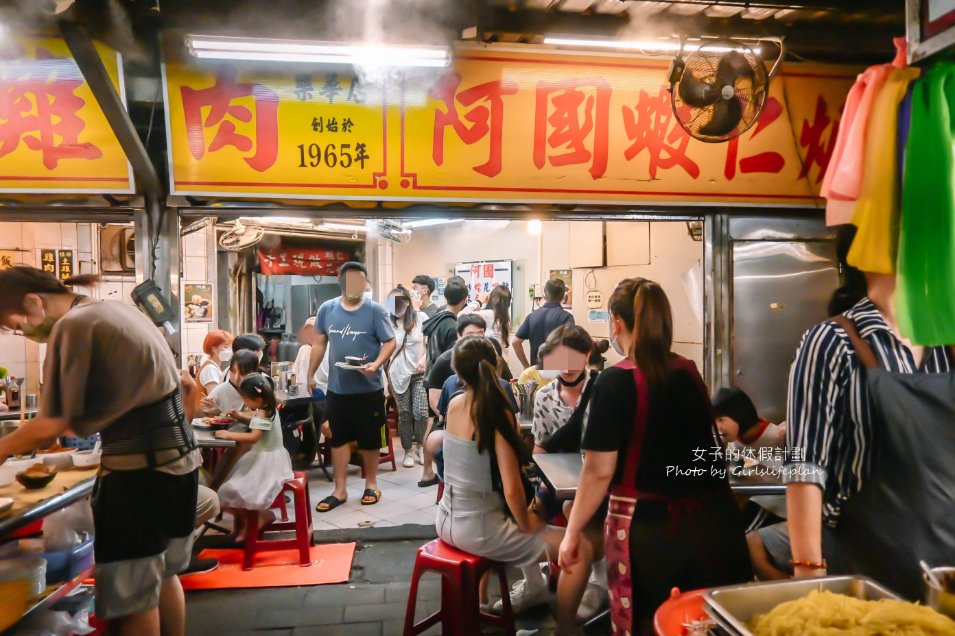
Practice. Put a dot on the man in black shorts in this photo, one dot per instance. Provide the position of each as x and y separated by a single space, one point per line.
358 334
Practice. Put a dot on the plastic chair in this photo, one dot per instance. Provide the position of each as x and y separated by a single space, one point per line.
255 541
391 428
461 573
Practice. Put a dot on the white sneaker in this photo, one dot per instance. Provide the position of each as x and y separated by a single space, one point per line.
524 597
419 457
593 602
408 461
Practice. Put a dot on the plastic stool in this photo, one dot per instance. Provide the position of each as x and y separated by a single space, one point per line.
461 573
255 541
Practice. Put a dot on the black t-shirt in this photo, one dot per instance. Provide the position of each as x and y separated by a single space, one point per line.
680 433
440 371
540 322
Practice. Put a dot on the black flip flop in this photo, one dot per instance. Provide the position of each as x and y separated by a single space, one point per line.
331 501
425 483
368 494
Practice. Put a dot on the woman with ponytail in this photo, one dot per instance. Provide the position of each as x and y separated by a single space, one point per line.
673 521
108 370
484 510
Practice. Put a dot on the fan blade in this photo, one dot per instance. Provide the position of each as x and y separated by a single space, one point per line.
727 113
733 66
697 93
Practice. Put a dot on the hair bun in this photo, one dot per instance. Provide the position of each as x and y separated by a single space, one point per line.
601 345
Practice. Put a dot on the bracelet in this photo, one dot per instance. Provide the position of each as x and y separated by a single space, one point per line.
809 564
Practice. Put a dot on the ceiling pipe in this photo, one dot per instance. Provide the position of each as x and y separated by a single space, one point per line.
94 72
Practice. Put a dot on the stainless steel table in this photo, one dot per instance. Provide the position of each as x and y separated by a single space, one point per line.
288 399
561 472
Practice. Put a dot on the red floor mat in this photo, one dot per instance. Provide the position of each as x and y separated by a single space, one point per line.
331 563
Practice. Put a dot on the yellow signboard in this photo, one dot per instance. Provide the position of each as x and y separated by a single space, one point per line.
53 134
501 125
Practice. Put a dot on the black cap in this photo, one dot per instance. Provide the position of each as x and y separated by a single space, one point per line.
736 405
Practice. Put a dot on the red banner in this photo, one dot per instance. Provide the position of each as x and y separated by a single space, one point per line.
306 262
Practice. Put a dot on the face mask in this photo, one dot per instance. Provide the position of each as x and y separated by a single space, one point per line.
548 374
616 346
367 295
225 355
579 379
614 342
38 333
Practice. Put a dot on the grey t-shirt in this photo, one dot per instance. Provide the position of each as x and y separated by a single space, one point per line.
359 332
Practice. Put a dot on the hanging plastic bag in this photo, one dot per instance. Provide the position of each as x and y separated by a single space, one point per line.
50 623
64 528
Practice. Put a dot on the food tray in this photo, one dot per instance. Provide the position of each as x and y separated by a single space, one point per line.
738 605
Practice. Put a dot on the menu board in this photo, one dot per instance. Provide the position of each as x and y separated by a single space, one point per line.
481 277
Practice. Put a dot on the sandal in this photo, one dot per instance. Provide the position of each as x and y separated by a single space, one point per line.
424 483
329 503
370 497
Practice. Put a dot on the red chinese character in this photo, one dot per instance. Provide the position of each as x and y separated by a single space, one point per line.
486 119
219 100
652 127
488 271
817 151
764 162
575 116
41 109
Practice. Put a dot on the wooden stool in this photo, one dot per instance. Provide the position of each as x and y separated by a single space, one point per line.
461 573
302 525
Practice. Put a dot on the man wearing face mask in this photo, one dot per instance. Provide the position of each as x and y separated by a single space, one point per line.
359 336
108 370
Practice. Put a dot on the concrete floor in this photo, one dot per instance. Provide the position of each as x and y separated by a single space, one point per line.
374 600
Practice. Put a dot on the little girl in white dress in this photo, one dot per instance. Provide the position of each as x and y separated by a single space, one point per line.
260 473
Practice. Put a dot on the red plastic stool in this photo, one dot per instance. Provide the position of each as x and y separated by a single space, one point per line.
255 541
461 573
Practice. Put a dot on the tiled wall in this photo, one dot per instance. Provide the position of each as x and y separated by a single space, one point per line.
199 266
21 357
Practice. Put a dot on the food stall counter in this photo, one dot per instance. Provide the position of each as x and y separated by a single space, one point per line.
67 487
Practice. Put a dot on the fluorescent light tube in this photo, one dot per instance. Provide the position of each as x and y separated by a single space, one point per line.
344 226
259 49
430 222
638 45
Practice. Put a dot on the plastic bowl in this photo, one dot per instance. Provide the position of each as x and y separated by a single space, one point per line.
86 459
35 482
61 460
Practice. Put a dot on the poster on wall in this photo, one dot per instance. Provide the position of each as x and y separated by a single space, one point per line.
484 276
567 276
199 303
47 260
8 258
64 268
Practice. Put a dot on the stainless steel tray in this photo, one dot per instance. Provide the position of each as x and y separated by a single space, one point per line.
736 606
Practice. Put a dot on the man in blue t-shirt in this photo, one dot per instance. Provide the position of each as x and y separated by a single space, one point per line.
360 339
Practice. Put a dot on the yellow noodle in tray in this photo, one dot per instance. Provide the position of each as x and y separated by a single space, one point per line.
824 613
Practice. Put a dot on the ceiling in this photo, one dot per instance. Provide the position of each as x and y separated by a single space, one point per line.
843 31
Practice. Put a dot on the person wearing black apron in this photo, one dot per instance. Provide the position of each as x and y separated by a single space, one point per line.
651 440
108 370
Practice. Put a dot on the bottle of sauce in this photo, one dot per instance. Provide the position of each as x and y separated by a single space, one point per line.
14 401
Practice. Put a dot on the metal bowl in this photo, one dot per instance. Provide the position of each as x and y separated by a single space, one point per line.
941 600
